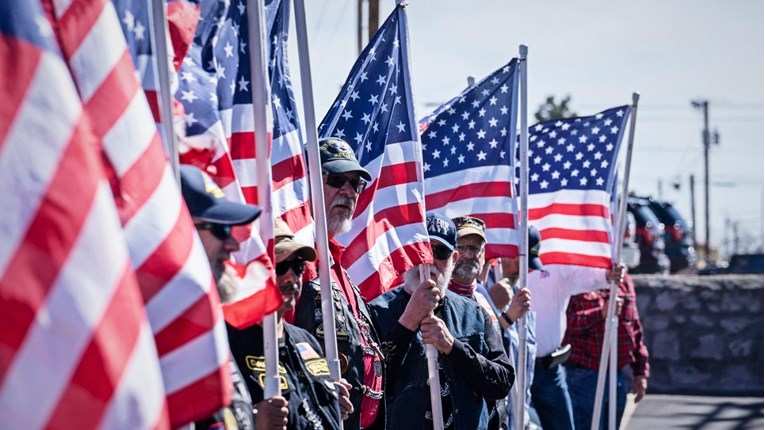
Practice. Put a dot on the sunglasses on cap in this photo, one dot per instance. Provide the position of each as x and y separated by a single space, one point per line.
441 252
337 180
221 231
297 265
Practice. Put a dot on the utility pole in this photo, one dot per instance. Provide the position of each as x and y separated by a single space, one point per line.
660 194
369 26
704 105
693 209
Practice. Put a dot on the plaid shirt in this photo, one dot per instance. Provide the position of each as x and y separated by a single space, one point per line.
586 326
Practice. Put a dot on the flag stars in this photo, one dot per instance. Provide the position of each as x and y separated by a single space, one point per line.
471 124
381 80
595 130
355 95
590 147
484 92
602 138
610 147
493 144
575 172
586 164
229 49
503 132
543 185
455 128
537 159
366 118
436 154
465 115
390 62
593 172
582 139
558 157
566 165
481 156
481 134
359 138
583 181
401 126
470 146
503 89
604 164
461 159
446 162
189 119
347 115
578 156
502 154
432 134
139 30
546 167
451 111
503 110
614 130
374 99
482 112
570 147
243 86
493 101
445 140
453 150
493 122
549 150
476 103
441 122
598 155
462 137
555 174
534 177
188 96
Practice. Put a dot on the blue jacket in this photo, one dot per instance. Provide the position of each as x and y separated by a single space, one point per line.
476 370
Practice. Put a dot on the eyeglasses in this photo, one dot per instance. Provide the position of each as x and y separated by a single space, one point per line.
221 231
336 180
297 266
463 249
441 252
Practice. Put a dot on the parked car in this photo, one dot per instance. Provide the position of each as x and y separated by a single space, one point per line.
630 248
739 263
678 242
649 233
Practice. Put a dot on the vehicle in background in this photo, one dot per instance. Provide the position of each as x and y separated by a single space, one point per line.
678 242
630 249
649 234
738 264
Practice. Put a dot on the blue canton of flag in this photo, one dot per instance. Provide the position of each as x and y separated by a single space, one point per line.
468 146
571 173
374 113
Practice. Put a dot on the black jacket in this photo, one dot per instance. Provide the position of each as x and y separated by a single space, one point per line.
475 371
303 375
308 315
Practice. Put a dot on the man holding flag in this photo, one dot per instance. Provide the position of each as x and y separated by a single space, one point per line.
361 361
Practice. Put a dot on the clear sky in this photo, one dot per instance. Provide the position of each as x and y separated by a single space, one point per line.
599 52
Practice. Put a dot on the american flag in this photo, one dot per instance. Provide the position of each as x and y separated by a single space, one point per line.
182 16
571 175
468 145
216 93
375 115
290 183
77 348
170 263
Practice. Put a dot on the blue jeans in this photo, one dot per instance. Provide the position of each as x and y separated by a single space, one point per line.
549 393
582 383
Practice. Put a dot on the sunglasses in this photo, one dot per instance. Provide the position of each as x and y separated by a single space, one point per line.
441 252
221 231
297 266
336 180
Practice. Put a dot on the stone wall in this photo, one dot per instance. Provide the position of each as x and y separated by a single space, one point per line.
704 333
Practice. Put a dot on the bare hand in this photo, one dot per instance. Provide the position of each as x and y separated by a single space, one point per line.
500 293
434 332
619 307
271 414
520 305
616 274
424 300
639 386
346 407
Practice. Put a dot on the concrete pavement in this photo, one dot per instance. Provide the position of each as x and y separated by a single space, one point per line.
659 412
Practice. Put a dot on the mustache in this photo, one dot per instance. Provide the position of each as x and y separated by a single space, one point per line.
344 201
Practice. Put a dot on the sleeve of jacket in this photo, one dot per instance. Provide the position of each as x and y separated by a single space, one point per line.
640 366
305 309
395 341
491 374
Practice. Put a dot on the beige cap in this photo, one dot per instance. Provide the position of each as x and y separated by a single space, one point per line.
467 225
285 244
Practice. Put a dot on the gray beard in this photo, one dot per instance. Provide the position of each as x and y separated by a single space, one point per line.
336 226
412 277
467 271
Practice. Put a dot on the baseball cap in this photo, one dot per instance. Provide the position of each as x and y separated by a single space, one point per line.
441 229
285 244
207 202
338 157
467 225
534 244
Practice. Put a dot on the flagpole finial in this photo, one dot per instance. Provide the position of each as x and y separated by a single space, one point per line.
524 51
635 98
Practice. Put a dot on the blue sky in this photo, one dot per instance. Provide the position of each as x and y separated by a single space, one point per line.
599 52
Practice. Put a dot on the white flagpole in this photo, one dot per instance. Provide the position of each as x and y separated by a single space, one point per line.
434 380
618 235
612 374
523 247
162 70
317 193
263 124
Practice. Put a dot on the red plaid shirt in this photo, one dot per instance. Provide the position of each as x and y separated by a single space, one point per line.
586 328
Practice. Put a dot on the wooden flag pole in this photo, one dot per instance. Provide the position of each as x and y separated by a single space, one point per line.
523 247
317 193
618 236
162 70
263 125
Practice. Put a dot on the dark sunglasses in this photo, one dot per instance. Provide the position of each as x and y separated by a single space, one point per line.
336 180
221 231
297 265
441 252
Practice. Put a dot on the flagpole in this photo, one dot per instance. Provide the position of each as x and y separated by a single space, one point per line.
523 267
317 193
263 125
434 379
618 235
162 73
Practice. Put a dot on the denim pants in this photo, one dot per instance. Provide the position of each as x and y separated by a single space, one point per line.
582 383
549 393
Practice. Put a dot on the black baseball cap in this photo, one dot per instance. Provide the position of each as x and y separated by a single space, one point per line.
534 244
207 202
338 157
441 229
